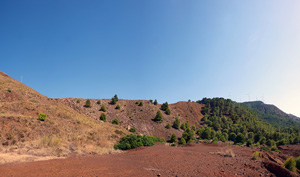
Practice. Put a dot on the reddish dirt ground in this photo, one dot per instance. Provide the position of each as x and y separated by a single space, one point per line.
193 160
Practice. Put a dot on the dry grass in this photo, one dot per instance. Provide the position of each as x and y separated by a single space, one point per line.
226 153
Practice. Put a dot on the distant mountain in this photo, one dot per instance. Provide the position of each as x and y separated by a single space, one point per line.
272 114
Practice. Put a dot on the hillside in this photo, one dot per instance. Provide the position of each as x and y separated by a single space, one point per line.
272 114
131 115
64 130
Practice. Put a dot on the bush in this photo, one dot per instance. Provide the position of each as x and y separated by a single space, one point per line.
249 143
158 118
298 163
137 102
168 126
274 148
290 164
168 112
103 117
215 140
176 123
141 104
103 108
115 121
78 101
118 106
114 99
265 149
151 101
88 103
9 90
173 138
256 155
155 102
98 102
134 141
182 141
132 130
164 106
42 116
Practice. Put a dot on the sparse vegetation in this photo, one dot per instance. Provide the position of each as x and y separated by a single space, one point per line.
155 102
114 99
103 117
151 101
98 102
256 155
9 90
290 164
118 106
42 116
141 103
78 101
115 121
88 103
103 108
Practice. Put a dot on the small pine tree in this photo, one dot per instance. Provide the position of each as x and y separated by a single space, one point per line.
98 102
141 104
182 141
115 121
103 108
168 126
103 117
155 102
176 123
88 103
290 164
114 99
298 163
164 106
173 138
118 106
158 118
168 112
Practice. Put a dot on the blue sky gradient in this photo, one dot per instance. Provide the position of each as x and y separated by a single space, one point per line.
167 50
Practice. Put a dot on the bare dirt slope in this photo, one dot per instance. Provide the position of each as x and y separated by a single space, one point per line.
141 118
64 131
195 160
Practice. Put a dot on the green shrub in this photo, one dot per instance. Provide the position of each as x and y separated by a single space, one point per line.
176 123
173 138
158 118
133 130
215 140
103 108
115 121
103 117
265 149
155 102
88 103
141 104
256 155
9 90
168 112
134 141
298 163
168 126
78 101
274 148
137 102
42 116
182 141
118 106
173 144
151 101
290 164
249 143
164 106
98 102
114 99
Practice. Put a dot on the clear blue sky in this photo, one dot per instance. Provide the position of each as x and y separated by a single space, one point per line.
167 50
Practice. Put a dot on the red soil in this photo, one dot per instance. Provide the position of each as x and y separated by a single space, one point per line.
195 160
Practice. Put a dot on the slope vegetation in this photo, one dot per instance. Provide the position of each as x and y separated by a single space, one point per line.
63 131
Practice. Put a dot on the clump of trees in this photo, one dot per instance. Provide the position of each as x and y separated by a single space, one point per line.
134 141
114 99
165 107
